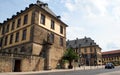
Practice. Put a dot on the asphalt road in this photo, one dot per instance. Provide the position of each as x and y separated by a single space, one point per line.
102 71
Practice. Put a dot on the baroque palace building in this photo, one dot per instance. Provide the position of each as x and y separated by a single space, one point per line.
88 51
34 39
111 57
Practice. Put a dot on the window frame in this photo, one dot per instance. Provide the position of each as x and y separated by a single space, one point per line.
17 37
18 22
61 29
61 41
13 25
53 24
3 29
6 40
42 19
25 20
11 39
7 28
24 33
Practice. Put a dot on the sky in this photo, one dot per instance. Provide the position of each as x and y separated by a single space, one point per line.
97 19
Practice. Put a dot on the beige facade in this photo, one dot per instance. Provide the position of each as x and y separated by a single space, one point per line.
88 51
32 40
112 56
92 54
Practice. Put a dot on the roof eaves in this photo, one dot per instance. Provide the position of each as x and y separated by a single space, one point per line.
46 9
18 13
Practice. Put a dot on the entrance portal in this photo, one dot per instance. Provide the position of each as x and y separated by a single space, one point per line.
17 66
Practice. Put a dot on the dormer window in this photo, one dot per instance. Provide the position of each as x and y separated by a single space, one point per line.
91 43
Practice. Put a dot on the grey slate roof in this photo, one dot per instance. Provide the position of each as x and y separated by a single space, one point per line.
45 7
84 42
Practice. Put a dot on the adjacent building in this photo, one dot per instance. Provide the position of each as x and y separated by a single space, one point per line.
89 52
34 39
111 57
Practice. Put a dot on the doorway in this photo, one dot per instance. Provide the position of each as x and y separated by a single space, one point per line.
17 66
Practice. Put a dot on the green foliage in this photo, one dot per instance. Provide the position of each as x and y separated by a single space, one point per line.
70 55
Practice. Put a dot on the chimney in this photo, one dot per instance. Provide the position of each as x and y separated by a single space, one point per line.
59 17
38 2
45 4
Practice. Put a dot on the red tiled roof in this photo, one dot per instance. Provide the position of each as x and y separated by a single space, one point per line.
111 52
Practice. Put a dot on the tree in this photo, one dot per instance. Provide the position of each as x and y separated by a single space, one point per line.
70 55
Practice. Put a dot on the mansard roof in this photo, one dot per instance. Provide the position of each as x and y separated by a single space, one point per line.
45 7
84 42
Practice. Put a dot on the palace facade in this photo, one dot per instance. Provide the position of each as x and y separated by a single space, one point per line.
34 39
111 57
88 51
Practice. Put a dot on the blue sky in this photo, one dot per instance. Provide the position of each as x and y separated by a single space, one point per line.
98 19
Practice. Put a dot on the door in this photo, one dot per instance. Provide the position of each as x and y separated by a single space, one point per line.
17 66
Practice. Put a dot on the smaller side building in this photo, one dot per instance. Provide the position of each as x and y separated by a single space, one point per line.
111 56
88 51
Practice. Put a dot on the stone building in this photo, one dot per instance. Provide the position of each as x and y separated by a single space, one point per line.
88 51
111 56
34 39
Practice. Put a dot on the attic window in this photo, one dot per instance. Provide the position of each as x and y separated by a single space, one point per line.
90 43
86 40
75 41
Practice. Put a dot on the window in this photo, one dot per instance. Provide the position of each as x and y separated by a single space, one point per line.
85 49
19 22
51 38
61 29
22 49
24 34
3 30
42 20
1 41
17 37
25 19
15 50
11 38
6 38
95 50
7 28
0 29
61 41
52 24
13 25
90 49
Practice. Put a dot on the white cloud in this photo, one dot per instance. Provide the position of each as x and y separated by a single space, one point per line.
70 6
101 5
74 32
99 19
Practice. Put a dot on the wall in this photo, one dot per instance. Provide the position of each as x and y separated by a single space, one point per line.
5 64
